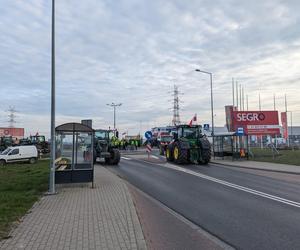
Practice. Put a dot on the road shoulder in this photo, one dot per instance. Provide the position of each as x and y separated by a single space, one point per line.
165 229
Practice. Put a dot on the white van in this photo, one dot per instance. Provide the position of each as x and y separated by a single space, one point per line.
19 154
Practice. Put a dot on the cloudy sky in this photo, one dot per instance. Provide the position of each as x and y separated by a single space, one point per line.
134 51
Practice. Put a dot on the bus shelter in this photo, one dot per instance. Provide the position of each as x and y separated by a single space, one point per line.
74 153
231 145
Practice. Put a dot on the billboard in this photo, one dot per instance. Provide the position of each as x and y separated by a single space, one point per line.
228 113
284 125
256 122
14 132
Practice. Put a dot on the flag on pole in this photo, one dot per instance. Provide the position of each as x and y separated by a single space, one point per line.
194 119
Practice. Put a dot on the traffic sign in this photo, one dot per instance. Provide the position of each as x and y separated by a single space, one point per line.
148 135
148 148
206 127
240 131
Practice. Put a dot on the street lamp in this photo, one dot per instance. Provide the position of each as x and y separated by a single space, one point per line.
212 106
114 106
52 151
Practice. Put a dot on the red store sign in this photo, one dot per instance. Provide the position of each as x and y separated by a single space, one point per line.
256 122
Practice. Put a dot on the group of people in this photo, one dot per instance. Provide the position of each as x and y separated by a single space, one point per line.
125 144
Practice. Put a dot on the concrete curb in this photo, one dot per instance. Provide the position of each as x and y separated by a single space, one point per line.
253 168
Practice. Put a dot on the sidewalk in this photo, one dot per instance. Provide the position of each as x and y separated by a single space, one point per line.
267 166
80 217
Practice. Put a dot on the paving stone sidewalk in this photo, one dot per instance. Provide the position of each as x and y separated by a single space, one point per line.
80 217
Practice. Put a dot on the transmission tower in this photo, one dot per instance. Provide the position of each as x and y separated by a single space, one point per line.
176 117
11 116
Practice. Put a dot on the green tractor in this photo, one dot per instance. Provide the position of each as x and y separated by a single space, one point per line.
43 146
104 147
189 145
5 142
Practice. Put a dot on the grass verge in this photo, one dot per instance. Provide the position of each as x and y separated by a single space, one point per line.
291 157
20 186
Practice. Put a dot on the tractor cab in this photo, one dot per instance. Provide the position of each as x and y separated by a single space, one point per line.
36 139
189 132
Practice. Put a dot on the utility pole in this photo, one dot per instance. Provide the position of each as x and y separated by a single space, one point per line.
176 117
237 94
292 128
114 107
261 137
247 102
241 107
243 98
212 107
274 106
52 151
233 92
287 126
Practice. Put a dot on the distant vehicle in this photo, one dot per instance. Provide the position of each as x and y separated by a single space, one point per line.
5 142
104 148
19 154
39 141
164 141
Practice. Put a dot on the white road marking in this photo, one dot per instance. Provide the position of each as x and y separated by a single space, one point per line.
126 158
155 157
232 185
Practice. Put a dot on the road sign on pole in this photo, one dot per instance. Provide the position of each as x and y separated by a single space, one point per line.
148 149
206 127
148 135
240 131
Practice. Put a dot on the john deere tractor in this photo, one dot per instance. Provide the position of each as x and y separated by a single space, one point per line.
104 147
189 145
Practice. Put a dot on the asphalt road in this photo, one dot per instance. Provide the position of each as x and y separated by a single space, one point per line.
245 210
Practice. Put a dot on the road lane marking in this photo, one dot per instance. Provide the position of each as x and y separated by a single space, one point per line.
155 157
232 185
126 158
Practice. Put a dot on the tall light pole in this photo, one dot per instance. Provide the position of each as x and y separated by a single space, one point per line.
52 158
211 105
287 124
114 106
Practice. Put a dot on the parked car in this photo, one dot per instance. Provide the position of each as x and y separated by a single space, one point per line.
19 154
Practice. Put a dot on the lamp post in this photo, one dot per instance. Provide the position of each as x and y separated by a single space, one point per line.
52 161
211 105
114 106
290 135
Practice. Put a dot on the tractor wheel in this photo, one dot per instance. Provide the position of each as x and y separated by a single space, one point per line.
180 155
169 154
161 150
205 155
115 157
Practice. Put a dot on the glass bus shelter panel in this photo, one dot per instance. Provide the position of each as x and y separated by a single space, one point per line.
83 151
64 151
